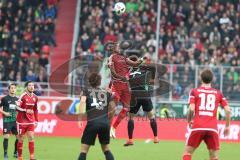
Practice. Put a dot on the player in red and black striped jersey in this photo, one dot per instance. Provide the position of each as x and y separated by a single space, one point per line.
202 117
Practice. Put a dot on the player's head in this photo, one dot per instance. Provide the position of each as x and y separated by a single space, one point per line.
29 85
133 58
94 80
116 48
12 89
206 76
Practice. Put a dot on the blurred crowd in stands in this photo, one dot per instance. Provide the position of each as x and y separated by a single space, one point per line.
26 37
192 32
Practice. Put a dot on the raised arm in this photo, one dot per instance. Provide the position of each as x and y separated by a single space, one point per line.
133 63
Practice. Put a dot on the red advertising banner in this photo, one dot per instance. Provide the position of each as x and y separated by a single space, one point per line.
168 129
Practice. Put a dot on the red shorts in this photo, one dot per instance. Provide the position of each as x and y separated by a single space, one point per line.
210 138
24 128
121 93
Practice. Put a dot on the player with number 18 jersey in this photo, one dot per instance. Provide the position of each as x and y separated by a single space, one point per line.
206 102
202 117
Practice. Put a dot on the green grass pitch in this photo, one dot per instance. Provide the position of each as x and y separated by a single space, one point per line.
52 148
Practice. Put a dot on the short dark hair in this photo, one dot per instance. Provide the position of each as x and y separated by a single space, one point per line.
94 79
207 76
133 58
12 84
26 84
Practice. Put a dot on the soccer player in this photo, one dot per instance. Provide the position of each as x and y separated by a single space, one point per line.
99 105
8 109
203 105
27 118
140 79
119 67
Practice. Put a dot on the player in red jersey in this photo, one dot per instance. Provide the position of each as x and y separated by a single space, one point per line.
119 66
203 105
27 118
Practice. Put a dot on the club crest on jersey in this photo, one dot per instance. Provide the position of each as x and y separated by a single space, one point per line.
34 99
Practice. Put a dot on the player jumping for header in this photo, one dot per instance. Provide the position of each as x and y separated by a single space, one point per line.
141 79
27 118
203 105
119 66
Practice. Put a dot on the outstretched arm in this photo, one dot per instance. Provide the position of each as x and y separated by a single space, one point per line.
133 63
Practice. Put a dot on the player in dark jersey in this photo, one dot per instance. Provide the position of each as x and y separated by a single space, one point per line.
8 109
141 78
202 117
99 105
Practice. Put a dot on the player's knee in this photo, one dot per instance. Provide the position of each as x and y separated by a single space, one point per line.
213 155
131 115
150 115
20 138
105 148
31 138
6 136
188 150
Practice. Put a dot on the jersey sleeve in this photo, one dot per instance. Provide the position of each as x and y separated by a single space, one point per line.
223 100
35 109
192 98
111 61
20 100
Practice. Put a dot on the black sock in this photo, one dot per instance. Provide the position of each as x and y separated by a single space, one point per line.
130 128
153 124
82 156
15 147
5 145
108 155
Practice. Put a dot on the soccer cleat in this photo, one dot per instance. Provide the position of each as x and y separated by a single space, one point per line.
32 157
155 140
128 143
20 158
5 157
112 132
15 155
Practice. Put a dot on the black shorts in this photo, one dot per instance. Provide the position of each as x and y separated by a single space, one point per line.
10 127
93 130
136 103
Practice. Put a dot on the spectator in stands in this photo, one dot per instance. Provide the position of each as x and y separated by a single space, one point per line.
31 76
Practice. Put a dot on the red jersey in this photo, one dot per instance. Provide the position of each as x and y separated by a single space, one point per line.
120 65
207 101
27 102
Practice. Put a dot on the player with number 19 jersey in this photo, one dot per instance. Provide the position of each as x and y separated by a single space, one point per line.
207 101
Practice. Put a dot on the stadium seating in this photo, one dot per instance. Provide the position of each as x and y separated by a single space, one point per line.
26 36
192 33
